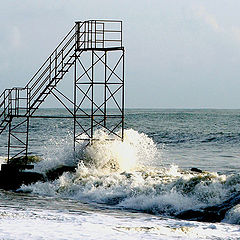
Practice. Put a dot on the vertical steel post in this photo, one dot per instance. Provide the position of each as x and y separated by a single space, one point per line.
84 35
91 29
27 136
105 89
75 94
88 37
55 63
95 45
50 69
92 105
123 96
103 33
100 45
9 138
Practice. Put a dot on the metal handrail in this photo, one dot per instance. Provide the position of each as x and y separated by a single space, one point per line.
3 93
48 64
6 104
46 71
47 77
55 67
49 57
52 70
92 32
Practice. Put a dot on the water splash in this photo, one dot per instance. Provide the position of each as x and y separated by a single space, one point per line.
120 155
114 155
123 174
233 215
2 161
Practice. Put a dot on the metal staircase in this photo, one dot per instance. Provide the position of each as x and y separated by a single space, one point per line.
41 84
17 105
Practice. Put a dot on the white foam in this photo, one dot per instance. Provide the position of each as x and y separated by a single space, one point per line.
233 215
46 224
159 191
123 156
2 160
122 174
112 155
56 152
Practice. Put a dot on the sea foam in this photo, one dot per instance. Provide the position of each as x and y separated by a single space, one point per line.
123 175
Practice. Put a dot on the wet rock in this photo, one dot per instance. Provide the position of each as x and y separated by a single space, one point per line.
13 174
58 171
11 177
196 170
215 213
24 160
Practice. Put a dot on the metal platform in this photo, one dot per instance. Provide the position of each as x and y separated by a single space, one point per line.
94 54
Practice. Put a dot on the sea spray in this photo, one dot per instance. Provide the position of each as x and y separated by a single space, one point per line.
155 191
233 215
114 155
121 155
2 161
56 152
123 174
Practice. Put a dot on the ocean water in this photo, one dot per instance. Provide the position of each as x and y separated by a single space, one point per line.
134 189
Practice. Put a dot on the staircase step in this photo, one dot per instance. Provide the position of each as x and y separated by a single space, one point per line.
17 146
18 132
63 71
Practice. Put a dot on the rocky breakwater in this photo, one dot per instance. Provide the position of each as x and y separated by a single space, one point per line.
19 171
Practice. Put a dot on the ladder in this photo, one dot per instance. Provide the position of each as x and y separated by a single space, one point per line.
18 105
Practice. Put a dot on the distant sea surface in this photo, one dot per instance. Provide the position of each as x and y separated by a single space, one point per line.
132 189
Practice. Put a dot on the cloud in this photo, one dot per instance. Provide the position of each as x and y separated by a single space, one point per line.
15 37
232 32
209 19
236 32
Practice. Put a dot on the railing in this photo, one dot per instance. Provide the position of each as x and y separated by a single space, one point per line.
4 104
99 34
11 99
50 67
83 36
14 101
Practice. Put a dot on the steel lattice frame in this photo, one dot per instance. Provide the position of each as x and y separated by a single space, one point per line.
92 107
94 50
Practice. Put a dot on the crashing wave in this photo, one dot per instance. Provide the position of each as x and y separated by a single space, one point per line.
127 175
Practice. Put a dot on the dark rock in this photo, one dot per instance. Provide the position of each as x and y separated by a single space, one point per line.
215 213
196 170
11 178
24 160
58 171
31 177
201 215
13 167
12 175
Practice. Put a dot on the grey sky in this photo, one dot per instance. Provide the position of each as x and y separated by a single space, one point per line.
179 53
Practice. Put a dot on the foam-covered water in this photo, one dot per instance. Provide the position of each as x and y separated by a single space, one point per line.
134 189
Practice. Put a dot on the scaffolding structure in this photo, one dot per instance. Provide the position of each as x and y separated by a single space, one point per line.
94 52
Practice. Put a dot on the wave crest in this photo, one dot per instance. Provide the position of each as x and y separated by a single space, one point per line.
117 155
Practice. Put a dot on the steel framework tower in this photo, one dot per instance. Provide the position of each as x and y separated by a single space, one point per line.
94 52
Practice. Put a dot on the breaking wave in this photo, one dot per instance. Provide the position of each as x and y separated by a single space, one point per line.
128 175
